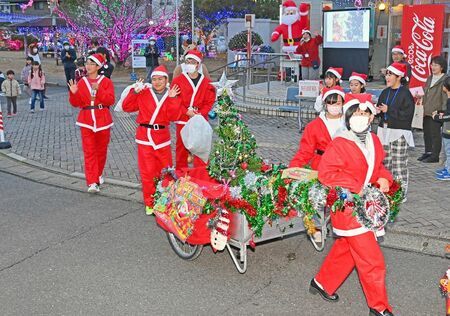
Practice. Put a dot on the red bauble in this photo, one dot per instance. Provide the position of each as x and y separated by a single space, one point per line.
244 166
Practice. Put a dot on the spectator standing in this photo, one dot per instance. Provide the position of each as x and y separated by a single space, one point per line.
36 80
444 117
34 52
107 68
68 57
24 77
151 57
81 71
10 87
309 49
396 106
398 56
434 100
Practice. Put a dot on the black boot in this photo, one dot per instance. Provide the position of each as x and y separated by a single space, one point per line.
424 156
373 312
315 289
431 159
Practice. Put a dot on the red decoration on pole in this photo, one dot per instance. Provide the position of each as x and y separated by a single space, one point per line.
3 144
422 29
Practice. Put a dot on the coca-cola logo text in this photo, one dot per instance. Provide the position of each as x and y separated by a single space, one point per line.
421 48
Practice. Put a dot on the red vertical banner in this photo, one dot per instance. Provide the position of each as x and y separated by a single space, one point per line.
422 29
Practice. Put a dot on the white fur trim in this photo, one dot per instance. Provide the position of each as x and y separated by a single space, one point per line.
160 73
306 31
193 57
360 79
350 232
334 72
142 142
326 94
396 71
95 60
366 104
398 50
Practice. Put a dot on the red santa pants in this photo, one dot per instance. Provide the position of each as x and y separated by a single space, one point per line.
364 253
150 163
95 150
181 155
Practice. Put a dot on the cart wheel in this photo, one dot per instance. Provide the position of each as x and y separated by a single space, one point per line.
183 249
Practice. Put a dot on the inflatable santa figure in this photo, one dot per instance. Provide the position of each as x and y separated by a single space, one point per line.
293 22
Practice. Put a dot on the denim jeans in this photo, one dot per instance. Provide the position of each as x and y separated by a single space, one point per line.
34 96
446 142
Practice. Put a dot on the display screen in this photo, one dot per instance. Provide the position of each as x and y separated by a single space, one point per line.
347 29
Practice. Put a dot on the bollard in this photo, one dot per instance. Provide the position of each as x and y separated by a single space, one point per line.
3 144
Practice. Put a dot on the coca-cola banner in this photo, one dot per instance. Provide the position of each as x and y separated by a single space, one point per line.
422 29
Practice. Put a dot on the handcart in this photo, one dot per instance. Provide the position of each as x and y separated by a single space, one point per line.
241 236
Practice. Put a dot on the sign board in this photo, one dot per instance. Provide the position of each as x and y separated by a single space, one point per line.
309 88
137 53
382 31
250 21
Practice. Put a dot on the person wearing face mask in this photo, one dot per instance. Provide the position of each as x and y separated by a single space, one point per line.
68 57
309 49
396 110
197 97
332 78
353 160
33 52
151 57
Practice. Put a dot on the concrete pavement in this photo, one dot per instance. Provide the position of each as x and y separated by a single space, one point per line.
47 145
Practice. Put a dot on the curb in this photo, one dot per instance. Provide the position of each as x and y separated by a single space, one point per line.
129 191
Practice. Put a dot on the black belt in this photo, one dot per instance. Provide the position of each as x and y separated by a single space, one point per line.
154 126
319 152
293 40
93 107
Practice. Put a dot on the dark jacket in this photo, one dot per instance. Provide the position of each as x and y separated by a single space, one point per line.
106 70
435 98
400 108
151 56
446 120
69 62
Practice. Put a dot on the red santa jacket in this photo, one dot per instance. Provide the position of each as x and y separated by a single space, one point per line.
314 141
310 51
292 34
152 112
349 164
202 96
94 119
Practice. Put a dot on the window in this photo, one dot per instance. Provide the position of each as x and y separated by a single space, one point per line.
38 5
5 9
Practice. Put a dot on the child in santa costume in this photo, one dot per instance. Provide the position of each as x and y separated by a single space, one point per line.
292 24
309 49
320 131
197 97
357 83
332 78
396 106
353 160
94 94
157 106
398 56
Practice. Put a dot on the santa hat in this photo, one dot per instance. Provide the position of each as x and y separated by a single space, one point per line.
306 31
98 59
304 9
289 4
335 90
360 77
398 49
364 101
398 69
194 54
336 71
160 71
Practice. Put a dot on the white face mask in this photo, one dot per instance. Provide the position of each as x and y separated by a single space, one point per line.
189 68
152 42
334 109
66 47
359 123
35 50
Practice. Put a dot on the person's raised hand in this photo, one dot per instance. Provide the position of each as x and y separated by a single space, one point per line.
72 86
139 85
384 184
174 91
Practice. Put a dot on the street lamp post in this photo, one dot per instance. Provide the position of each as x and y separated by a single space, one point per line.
192 19
177 33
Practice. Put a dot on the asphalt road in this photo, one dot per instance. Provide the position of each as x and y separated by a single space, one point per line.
70 253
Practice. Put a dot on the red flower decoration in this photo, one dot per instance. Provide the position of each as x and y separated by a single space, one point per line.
265 167
331 197
394 188
244 166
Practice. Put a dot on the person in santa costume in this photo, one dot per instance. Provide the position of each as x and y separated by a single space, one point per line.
333 77
357 83
396 106
353 160
309 49
197 97
398 56
94 94
157 107
292 24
